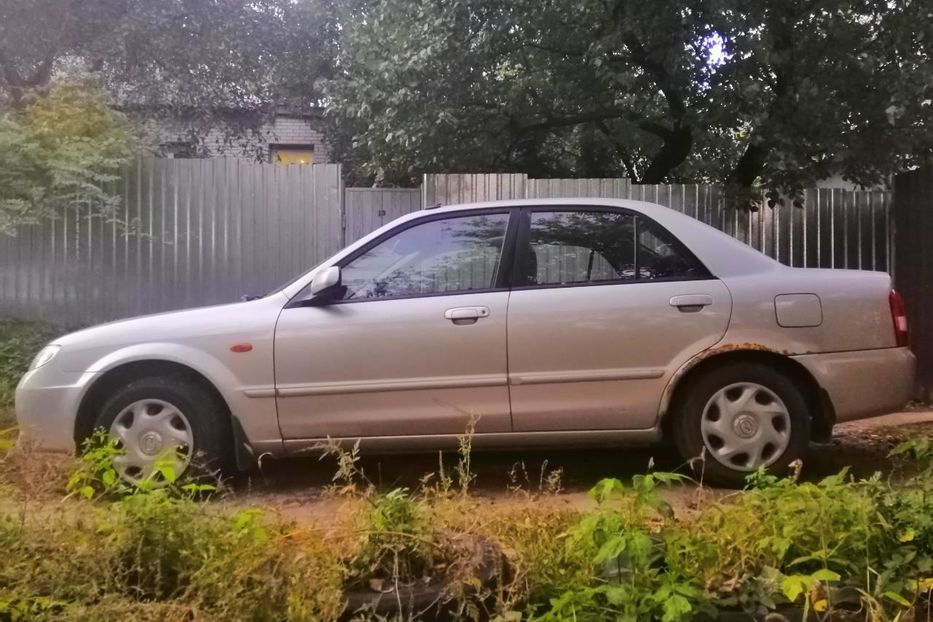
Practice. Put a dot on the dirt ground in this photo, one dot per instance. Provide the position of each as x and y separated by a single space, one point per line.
296 488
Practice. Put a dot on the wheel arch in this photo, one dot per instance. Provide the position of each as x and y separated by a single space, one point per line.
822 414
109 381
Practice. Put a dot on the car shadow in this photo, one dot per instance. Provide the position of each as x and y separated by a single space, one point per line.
500 471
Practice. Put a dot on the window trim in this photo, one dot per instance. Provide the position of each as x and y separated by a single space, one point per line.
523 243
502 273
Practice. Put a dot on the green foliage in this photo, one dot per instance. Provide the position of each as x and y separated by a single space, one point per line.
20 341
164 553
816 544
536 539
66 147
396 540
242 566
96 474
632 581
718 90
195 61
443 484
160 555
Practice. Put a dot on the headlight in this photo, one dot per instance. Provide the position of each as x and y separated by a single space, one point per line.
45 355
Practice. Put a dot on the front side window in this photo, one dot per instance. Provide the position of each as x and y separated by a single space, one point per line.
447 256
591 247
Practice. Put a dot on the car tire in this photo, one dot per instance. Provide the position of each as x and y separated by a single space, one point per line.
740 417
157 414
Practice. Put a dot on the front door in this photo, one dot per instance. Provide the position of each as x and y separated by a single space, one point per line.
417 343
595 328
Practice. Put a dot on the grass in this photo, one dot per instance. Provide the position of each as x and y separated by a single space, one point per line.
190 554
77 545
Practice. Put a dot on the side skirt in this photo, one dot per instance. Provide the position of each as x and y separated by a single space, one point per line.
492 441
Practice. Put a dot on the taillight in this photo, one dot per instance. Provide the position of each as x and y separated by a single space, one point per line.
899 316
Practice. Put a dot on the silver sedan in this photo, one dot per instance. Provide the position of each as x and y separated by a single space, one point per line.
555 323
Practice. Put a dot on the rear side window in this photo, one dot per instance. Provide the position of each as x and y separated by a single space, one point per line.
593 247
661 256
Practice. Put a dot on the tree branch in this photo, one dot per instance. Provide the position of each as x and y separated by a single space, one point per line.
620 149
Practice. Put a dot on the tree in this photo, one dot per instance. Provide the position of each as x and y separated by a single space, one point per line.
544 88
171 54
826 87
741 91
64 148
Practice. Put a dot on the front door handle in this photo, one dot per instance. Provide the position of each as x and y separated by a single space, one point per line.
466 315
690 303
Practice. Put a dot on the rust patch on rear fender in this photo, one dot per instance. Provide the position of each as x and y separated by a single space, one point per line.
747 346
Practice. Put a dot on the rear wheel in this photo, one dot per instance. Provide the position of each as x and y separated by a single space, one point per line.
167 421
742 417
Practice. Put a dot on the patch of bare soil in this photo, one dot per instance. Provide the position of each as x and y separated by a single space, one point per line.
296 488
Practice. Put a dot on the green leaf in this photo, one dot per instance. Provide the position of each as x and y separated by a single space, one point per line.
108 478
610 550
824 575
676 608
794 585
897 598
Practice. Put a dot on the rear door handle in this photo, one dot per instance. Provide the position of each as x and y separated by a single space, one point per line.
689 303
466 315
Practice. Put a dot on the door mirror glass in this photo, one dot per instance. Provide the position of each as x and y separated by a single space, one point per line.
326 280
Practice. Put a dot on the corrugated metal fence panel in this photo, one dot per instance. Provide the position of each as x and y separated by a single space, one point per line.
447 189
187 233
913 224
606 188
368 209
193 232
835 229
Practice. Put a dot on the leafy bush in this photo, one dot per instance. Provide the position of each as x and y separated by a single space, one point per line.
160 547
396 540
64 147
149 553
20 340
631 579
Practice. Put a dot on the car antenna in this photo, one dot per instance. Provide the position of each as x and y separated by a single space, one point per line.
435 206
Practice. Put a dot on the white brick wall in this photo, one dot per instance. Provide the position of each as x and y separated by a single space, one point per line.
253 144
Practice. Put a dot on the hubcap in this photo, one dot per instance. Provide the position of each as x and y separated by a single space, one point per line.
745 426
151 431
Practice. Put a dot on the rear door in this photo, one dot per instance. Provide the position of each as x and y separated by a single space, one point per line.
605 305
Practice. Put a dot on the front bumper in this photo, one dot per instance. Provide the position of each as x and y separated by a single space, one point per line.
47 401
864 383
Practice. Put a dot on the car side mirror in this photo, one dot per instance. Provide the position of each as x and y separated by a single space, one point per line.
325 287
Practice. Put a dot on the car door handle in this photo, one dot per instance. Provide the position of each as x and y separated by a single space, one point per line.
466 315
690 303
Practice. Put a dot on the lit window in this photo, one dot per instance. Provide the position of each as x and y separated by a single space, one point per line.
291 154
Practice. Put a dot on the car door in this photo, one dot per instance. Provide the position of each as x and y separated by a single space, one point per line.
605 305
416 342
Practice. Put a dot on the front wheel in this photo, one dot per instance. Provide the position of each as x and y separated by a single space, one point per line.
161 422
742 417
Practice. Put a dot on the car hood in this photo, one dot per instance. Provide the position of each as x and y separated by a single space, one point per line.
254 319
